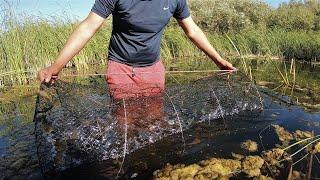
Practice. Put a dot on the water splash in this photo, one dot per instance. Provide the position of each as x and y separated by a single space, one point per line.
90 126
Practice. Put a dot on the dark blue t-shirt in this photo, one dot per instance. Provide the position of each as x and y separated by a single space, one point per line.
138 26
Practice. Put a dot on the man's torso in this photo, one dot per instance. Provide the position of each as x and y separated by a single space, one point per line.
137 30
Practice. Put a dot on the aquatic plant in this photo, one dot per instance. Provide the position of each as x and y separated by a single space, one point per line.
266 166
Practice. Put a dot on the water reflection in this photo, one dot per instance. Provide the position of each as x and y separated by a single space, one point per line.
135 106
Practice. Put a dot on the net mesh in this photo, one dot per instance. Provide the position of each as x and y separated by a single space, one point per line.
77 123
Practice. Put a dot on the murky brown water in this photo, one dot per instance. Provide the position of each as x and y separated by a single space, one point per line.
18 151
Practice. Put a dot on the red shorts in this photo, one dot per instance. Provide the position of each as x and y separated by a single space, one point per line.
132 82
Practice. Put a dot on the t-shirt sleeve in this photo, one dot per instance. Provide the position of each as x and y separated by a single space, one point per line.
103 7
182 10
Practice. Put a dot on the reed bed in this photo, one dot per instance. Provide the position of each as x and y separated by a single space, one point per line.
26 47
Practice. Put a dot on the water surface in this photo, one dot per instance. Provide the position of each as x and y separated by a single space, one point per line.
218 138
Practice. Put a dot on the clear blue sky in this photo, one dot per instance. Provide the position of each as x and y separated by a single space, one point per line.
75 9
275 3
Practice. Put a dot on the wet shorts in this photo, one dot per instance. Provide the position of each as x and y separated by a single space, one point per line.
131 82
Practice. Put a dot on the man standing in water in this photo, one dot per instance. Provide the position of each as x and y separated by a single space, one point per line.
134 49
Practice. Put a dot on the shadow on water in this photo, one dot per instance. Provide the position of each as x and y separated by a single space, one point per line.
73 148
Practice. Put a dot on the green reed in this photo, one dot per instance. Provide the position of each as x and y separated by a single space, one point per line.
26 47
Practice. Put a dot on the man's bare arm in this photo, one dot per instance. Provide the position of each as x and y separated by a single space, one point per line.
196 35
75 43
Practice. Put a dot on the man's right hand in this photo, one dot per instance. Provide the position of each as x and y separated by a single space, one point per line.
77 40
47 75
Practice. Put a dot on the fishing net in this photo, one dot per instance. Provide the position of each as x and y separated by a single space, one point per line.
80 123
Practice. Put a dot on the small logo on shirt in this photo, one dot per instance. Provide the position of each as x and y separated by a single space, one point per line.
166 8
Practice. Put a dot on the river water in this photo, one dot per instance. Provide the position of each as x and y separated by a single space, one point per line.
293 108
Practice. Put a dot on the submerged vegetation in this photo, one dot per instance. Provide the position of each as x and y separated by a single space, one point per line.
245 28
277 163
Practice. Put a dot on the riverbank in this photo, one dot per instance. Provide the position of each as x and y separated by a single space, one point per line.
244 29
37 45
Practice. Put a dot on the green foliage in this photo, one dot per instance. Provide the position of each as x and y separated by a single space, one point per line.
290 31
26 47
237 15
298 45
293 16
230 15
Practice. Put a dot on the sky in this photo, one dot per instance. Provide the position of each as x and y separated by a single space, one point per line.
275 3
73 9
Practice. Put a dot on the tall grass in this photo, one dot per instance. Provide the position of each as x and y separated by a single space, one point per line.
27 46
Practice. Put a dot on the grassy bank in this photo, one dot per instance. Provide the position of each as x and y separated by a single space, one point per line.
26 49
245 28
